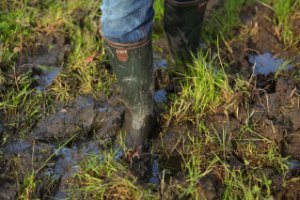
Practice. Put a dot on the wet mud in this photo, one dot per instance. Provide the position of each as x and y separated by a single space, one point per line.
82 117
93 127
44 61
272 109
274 117
261 44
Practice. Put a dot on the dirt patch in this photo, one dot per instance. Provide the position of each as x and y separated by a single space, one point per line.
94 124
20 159
83 117
264 118
292 189
210 187
291 145
52 167
50 49
259 36
267 117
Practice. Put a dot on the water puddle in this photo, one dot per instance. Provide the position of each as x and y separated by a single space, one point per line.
160 96
265 64
294 165
154 179
45 76
17 148
164 167
159 63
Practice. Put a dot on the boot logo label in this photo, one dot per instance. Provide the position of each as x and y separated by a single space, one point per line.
122 55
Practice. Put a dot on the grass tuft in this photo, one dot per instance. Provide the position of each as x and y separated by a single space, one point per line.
102 177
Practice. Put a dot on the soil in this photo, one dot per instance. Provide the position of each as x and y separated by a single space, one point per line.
272 108
82 117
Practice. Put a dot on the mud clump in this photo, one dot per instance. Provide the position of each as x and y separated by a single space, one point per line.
292 190
94 124
22 157
82 117
171 140
42 55
294 117
107 124
52 167
210 187
291 145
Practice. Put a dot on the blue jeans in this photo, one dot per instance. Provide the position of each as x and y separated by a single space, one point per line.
127 21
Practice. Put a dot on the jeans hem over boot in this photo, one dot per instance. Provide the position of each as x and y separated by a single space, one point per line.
126 21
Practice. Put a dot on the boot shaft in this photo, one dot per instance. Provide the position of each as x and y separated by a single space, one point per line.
183 24
133 66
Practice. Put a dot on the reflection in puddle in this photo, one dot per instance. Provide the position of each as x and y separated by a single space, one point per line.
265 63
160 96
159 63
17 148
154 179
45 77
294 165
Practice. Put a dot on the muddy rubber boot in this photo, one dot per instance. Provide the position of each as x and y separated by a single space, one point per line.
183 23
133 66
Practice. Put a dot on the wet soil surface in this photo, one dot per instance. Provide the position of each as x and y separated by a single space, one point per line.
272 108
92 126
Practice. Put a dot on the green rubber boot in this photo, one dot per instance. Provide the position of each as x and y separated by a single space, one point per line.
183 23
133 66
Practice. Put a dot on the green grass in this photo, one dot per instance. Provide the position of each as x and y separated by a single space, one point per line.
205 88
102 177
158 19
209 84
24 22
28 185
283 11
224 21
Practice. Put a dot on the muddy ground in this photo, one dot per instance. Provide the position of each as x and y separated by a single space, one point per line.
270 105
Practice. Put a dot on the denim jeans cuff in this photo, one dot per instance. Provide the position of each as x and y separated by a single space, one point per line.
132 45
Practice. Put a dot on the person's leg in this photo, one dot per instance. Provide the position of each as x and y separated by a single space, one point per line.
182 23
126 21
126 28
